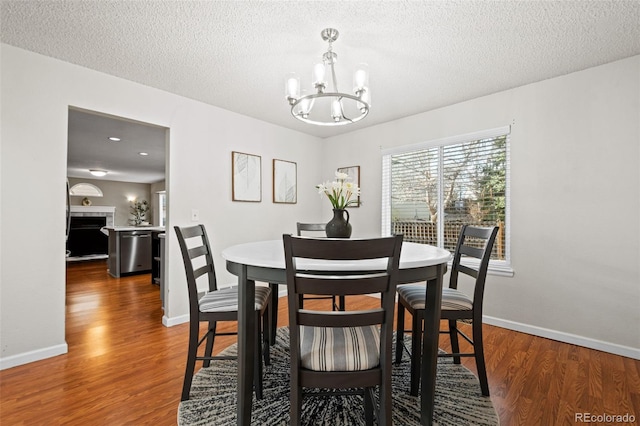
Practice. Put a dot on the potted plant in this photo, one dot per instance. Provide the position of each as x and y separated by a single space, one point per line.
341 194
139 211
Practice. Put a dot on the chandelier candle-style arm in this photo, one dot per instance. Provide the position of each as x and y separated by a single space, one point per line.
293 88
318 77
324 106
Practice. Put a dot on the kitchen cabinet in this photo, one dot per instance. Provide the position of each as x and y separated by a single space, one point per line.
157 241
162 238
130 249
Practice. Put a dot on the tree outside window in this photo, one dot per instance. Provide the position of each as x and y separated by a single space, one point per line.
464 183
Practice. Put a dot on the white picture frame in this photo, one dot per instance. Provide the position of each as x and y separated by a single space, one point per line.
246 177
285 182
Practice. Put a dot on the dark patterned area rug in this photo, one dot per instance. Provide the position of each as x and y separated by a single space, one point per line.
213 396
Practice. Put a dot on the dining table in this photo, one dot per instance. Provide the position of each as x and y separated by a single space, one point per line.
263 261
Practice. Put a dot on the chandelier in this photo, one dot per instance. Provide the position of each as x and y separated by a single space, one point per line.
322 106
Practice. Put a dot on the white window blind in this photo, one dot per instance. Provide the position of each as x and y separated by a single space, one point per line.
430 190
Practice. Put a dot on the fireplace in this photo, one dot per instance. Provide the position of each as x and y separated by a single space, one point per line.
85 237
86 240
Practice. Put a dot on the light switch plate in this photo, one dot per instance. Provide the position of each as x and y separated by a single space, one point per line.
195 215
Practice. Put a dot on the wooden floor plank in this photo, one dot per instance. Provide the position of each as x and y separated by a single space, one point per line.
124 367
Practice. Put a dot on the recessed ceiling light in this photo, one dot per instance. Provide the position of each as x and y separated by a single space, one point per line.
97 172
112 138
143 153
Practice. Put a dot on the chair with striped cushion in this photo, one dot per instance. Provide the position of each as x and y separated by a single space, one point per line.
345 350
214 305
319 227
473 242
311 229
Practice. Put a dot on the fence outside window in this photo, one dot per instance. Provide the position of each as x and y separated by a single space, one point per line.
423 232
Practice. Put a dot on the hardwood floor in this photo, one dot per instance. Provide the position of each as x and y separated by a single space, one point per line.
124 367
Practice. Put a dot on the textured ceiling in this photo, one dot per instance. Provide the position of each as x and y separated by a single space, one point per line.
422 55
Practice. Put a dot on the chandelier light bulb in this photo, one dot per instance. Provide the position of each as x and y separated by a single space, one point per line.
305 105
361 77
336 110
318 74
292 87
365 96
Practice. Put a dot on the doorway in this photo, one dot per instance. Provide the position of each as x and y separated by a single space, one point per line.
126 160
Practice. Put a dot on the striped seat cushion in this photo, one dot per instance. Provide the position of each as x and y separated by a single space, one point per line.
339 349
226 299
452 299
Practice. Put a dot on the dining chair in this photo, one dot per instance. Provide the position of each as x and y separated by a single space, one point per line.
214 305
318 227
302 228
473 242
348 351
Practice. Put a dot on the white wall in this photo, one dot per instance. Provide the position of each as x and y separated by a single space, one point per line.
575 197
575 193
36 94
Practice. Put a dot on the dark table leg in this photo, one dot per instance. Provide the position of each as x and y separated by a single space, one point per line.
246 345
430 346
274 312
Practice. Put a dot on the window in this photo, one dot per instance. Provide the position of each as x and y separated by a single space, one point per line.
162 203
431 189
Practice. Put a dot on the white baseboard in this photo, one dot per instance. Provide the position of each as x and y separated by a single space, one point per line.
560 336
170 322
32 356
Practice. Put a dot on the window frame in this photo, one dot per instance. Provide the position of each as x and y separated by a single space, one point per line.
496 267
162 207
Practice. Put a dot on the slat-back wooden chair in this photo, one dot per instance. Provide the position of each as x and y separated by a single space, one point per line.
352 349
302 229
214 305
473 242
318 227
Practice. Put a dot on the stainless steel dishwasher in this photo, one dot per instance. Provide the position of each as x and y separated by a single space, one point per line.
135 251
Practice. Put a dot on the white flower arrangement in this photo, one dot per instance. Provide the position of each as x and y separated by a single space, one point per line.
340 191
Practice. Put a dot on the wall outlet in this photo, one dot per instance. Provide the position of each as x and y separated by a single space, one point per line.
195 215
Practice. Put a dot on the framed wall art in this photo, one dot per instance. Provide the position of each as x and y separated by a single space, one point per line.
246 177
354 173
285 182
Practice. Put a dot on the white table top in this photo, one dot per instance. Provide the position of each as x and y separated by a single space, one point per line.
270 254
